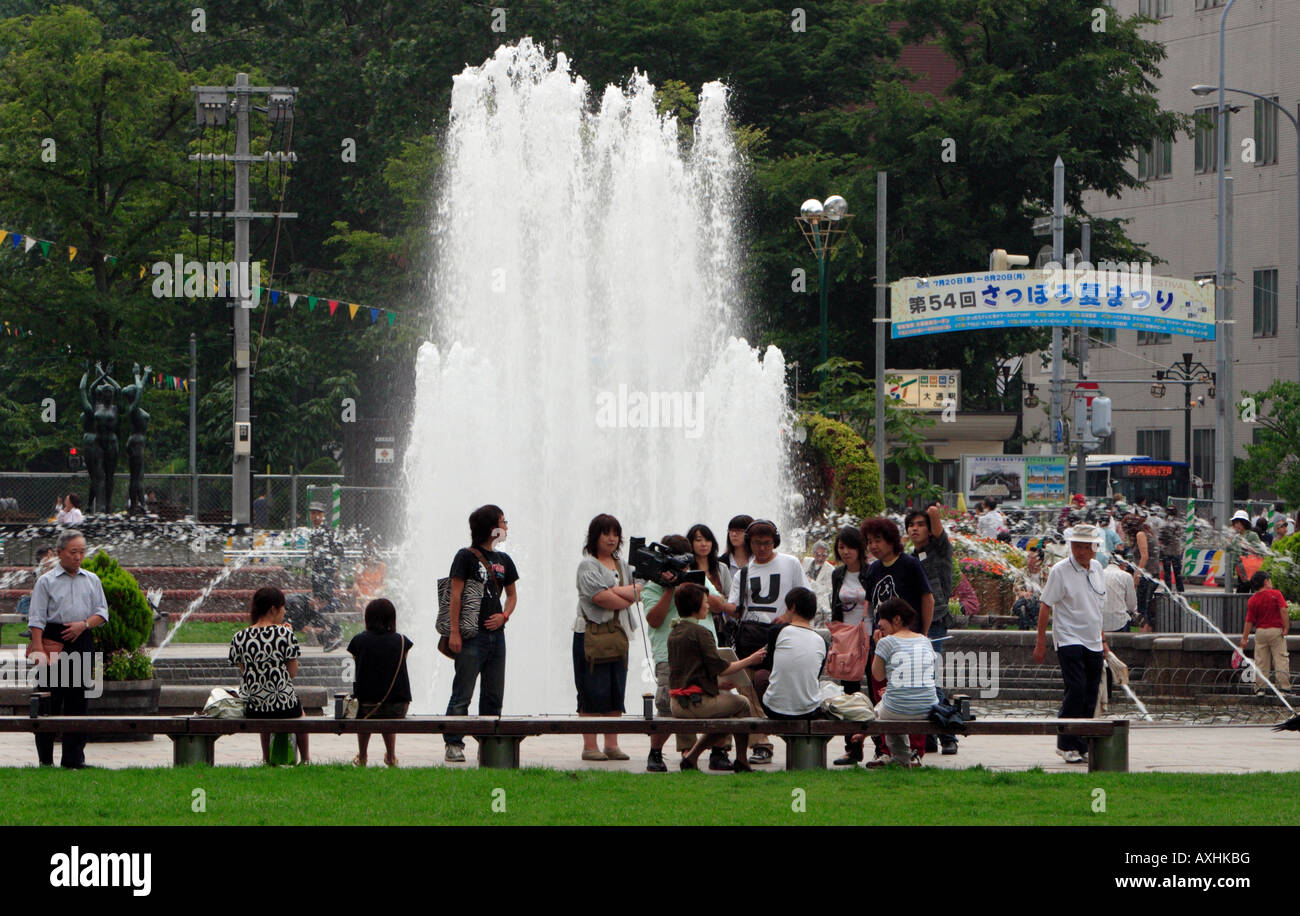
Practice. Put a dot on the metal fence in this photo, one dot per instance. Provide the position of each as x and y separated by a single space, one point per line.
279 500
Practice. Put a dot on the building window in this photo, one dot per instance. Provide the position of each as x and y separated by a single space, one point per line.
1156 160
1155 9
1206 152
1154 443
1265 132
1265 299
1203 454
1208 4
1102 335
1152 337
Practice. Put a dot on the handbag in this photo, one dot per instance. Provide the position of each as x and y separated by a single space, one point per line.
851 707
224 704
850 646
606 642
471 603
352 704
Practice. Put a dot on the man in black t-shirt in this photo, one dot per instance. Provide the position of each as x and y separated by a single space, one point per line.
894 574
931 546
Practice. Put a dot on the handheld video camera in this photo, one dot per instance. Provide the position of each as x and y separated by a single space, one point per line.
651 561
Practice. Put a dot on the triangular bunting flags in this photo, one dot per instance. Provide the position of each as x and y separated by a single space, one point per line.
293 299
391 319
141 271
311 303
374 313
72 252
17 238
334 303
3 233
275 296
352 310
45 249
27 246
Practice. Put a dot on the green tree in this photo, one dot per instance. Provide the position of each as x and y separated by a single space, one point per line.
1273 460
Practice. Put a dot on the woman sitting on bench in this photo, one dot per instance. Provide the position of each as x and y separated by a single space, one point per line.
266 655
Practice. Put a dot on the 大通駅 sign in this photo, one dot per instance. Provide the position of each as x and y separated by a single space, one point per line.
1037 298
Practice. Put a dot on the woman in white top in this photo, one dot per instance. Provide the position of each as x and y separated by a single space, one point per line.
849 605
69 510
737 553
818 572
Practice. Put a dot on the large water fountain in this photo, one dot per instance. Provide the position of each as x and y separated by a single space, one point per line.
585 301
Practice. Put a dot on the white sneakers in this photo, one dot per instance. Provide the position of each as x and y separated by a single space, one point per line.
1071 756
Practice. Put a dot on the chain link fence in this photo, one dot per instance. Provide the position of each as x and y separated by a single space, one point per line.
279 500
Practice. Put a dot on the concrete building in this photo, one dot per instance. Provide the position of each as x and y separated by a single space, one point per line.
1175 218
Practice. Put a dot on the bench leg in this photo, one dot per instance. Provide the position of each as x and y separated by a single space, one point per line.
193 750
499 752
1109 755
805 752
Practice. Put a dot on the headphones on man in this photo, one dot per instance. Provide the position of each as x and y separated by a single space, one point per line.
776 532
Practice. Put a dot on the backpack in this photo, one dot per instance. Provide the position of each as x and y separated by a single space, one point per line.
847 658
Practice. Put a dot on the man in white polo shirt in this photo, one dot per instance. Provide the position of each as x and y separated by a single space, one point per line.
1073 599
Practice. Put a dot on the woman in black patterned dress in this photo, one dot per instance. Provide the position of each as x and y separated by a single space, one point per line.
266 655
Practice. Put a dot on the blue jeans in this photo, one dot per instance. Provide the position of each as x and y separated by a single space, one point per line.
482 659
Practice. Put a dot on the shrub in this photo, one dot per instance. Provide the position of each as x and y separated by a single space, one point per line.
854 473
129 615
128 666
1284 566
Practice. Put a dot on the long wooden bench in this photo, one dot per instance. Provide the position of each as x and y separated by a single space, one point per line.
194 738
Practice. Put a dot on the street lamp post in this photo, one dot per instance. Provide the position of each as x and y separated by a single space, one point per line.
1206 90
1187 374
824 225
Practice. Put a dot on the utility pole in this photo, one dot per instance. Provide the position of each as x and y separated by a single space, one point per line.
1081 353
213 104
882 319
194 440
1058 255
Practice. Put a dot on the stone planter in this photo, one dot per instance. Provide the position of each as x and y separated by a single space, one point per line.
126 698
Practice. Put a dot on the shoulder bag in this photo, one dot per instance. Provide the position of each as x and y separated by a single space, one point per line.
471 601
606 642
352 704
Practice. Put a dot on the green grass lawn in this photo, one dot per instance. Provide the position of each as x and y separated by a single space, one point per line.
220 631
217 632
340 794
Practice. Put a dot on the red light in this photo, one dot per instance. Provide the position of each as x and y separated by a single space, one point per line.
72 451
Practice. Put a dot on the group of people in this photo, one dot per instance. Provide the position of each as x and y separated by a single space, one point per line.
749 628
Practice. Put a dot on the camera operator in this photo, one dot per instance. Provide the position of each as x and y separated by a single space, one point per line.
661 615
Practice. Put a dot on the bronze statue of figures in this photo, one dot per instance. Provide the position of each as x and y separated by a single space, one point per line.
99 405
139 420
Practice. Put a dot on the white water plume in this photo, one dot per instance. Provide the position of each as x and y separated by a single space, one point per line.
585 300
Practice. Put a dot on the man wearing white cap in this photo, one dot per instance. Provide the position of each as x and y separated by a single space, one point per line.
1075 595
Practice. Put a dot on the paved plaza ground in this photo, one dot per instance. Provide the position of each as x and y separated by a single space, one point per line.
1152 748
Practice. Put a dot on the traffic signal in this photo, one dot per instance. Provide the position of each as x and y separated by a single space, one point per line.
74 460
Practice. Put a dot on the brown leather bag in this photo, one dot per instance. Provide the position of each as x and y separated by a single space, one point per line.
607 642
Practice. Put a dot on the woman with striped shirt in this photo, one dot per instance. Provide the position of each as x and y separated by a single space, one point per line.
905 662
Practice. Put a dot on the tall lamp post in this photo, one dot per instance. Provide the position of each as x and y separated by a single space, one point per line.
1187 374
824 225
1206 90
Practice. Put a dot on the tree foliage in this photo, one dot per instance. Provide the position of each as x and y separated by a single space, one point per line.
819 105
1272 464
